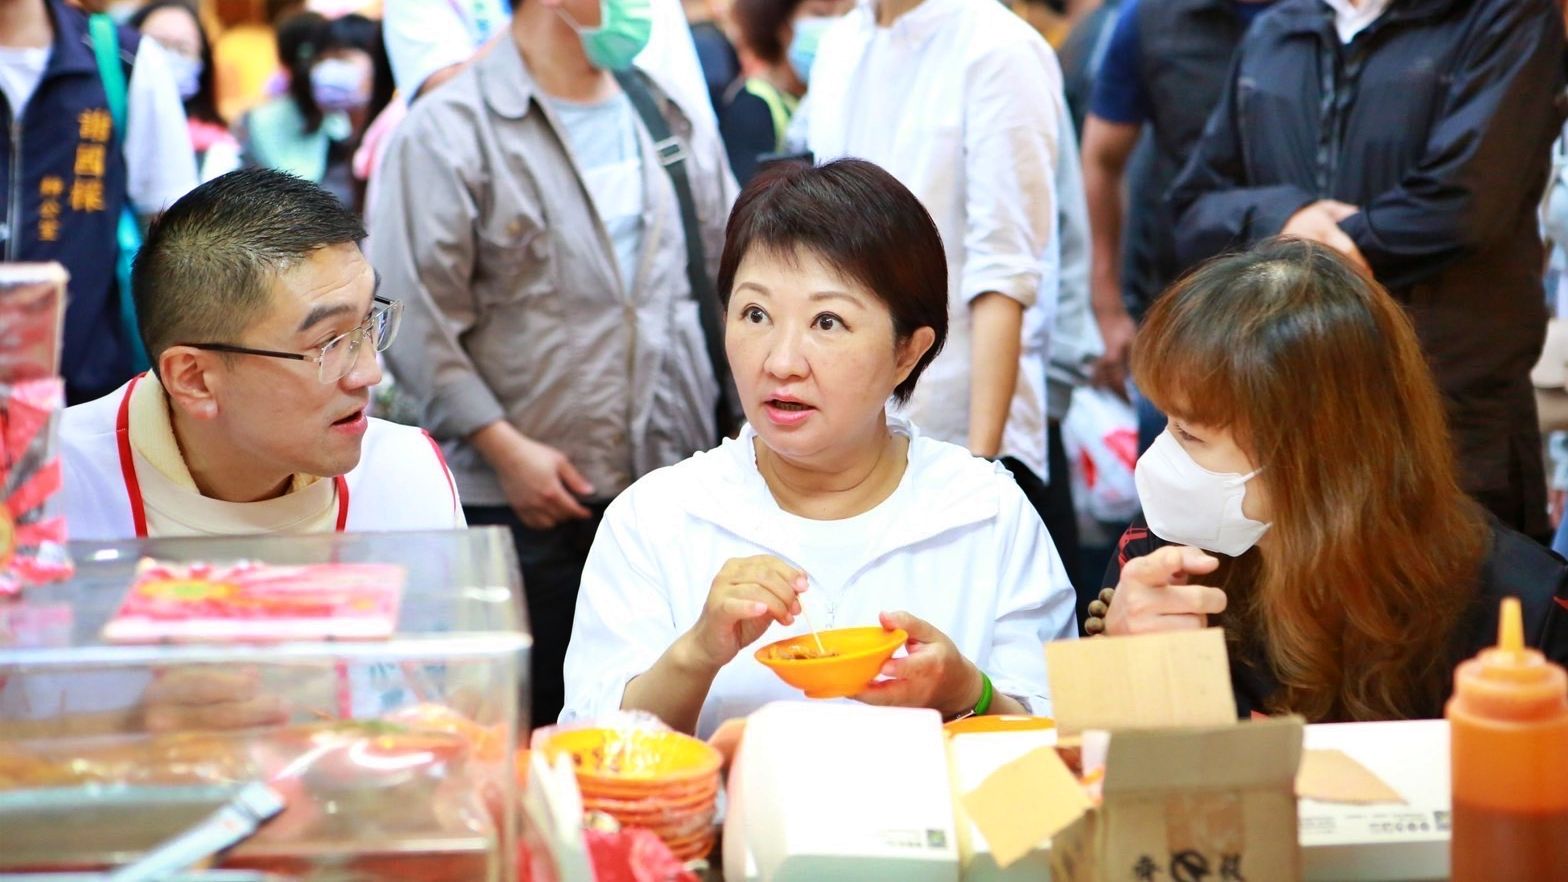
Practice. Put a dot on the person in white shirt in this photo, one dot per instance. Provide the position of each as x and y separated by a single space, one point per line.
834 283
961 101
262 320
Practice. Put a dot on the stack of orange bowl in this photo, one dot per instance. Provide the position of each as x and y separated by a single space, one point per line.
650 778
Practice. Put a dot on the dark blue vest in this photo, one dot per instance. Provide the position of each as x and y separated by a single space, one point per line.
62 188
1187 50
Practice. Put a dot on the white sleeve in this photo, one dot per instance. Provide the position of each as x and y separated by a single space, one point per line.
160 161
624 621
1035 605
1010 141
671 55
422 37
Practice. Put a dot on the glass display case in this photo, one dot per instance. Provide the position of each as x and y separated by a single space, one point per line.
394 756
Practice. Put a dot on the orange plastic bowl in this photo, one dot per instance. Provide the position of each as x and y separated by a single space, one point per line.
999 723
855 657
629 761
649 805
684 791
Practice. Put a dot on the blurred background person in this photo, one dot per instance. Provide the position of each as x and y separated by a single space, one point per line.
339 79
556 337
777 42
1073 342
428 43
1081 53
75 171
716 53
246 57
1423 158
1163 68
177 27
962 102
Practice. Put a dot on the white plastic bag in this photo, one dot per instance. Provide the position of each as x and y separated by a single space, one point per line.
1101 437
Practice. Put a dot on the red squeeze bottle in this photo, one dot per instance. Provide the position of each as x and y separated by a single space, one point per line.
1508 721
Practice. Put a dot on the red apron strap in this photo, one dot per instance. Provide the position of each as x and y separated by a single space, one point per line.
342 487
445 469
133 487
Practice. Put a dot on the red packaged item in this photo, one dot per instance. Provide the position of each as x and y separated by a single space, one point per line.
32 538
246 600
32 315
634 855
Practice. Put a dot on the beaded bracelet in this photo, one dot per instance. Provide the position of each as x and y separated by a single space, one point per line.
1094 625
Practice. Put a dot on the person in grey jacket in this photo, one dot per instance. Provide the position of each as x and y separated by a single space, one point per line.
551 336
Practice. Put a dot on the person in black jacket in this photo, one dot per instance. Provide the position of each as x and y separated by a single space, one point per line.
1413 136
1320 513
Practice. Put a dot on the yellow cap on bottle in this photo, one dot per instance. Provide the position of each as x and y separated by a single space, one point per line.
1510 626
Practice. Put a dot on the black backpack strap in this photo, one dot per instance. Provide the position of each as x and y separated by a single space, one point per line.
673 156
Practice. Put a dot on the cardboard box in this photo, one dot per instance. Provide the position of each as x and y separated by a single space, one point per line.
1189 791
1196 804
1341 841
1151 681
1201 795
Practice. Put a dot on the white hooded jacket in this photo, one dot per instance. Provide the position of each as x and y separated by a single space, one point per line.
962 549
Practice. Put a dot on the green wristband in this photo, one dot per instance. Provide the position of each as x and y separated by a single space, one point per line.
983 706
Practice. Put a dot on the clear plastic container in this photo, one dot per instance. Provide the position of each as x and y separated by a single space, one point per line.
394 756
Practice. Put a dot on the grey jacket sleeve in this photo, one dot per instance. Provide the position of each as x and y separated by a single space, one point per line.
422 244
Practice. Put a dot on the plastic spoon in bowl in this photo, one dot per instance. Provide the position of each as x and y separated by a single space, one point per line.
822 651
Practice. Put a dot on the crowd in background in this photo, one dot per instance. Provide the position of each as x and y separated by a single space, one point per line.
557 238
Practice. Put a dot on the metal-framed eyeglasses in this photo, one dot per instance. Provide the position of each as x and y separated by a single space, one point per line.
337 356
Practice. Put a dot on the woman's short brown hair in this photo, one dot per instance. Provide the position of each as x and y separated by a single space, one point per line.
859 220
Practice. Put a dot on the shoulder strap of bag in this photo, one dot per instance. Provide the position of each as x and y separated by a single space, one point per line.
106 49
672 155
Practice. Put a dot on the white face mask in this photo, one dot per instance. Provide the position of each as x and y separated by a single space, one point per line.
339 84
187 74
1187 504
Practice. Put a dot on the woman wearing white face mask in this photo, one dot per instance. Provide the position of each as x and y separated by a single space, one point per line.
176 27
1306 473
339 80
836 301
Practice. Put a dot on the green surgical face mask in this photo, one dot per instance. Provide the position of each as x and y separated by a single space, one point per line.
622 33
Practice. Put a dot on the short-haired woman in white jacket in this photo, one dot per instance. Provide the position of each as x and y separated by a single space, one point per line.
835 292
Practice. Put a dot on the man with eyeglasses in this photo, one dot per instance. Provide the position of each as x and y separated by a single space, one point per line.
261 318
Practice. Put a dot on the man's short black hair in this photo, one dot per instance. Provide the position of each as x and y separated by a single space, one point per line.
859 220
205 272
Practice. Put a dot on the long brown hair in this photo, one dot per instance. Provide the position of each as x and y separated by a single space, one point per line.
1355 594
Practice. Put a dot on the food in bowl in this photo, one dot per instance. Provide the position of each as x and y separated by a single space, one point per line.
797 653
849 661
